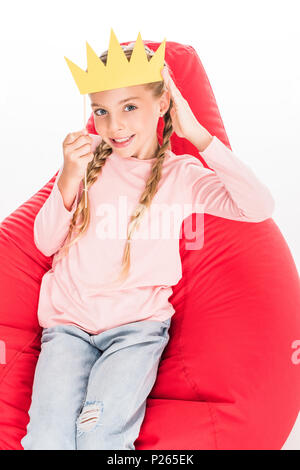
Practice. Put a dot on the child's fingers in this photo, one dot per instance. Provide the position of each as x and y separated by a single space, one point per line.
88 156
175 93
81 141
96 139
74 135
174 90
81 146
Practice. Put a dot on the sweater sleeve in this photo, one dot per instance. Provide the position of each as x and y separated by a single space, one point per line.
231 190
52 222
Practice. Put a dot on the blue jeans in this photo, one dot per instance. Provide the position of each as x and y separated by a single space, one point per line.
89 391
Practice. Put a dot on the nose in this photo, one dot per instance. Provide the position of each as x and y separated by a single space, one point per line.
115 125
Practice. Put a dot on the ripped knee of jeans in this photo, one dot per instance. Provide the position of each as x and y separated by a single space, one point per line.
89 416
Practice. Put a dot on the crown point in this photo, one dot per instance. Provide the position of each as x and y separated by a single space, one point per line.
118 71
113 34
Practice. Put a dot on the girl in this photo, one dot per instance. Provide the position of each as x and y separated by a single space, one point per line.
103 336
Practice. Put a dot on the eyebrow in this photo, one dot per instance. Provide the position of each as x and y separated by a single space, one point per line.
120 102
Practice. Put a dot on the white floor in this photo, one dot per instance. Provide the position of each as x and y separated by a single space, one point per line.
293 441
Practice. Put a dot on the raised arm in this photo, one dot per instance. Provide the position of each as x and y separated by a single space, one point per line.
231 190
52 222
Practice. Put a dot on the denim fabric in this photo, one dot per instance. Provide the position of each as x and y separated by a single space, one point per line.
89 391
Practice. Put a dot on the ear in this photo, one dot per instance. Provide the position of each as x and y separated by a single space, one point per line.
165 101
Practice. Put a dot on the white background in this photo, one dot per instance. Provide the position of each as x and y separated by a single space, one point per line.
250 51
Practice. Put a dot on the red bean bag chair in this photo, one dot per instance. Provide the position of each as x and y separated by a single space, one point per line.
226 379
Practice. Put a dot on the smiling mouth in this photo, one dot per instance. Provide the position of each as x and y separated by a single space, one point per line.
122 143
127 137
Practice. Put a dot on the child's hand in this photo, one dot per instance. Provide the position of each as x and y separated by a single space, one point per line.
184 122
77 153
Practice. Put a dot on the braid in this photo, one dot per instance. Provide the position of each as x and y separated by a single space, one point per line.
78 226
148 193
81 217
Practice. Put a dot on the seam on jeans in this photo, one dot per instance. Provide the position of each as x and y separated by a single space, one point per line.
91 338
165 338
85 395
134 401
80 409
166 334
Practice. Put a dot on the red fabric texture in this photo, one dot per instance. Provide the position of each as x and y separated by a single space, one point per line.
226 378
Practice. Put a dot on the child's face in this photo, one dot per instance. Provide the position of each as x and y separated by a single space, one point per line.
138 116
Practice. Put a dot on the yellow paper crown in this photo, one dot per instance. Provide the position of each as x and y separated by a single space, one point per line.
118 72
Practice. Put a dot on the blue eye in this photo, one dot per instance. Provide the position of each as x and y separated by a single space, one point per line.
130 106
101 109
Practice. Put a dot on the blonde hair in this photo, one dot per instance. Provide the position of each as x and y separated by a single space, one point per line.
81 217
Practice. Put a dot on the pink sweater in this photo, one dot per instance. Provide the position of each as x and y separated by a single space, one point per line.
78 289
